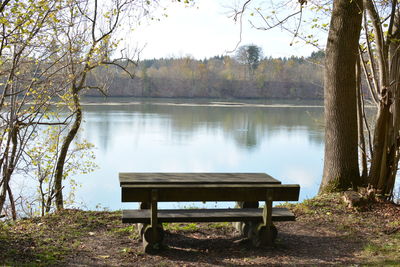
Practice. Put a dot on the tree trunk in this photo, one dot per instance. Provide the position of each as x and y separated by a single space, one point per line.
12 203
59 172
341 132
386 143
9 164
378 162
361 136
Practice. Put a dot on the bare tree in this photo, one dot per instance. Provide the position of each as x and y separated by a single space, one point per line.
26 82
47 50
380 59
88 41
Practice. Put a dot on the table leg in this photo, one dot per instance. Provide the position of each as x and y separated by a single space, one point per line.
154 219
153 233
266 231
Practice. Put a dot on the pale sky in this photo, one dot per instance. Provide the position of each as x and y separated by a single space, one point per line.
206 30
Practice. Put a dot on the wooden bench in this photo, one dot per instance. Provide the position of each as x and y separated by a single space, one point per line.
246 189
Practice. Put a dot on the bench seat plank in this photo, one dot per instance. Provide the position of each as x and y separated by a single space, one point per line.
206 215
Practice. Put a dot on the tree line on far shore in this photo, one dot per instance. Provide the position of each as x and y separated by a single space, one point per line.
240 76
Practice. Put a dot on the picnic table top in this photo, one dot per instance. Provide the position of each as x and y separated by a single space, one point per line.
150 178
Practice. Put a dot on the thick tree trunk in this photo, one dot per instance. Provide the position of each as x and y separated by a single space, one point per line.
59 172
341 134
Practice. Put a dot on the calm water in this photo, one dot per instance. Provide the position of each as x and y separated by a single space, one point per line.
155 136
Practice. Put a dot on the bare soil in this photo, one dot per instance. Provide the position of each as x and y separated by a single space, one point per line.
326 232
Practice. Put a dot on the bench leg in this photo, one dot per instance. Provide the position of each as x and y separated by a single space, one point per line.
142 226
245 228
263 235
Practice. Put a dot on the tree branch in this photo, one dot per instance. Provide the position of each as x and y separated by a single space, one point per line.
3 5
372 90
380 43
391 23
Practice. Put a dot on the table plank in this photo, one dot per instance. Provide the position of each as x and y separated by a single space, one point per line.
210 192
195 178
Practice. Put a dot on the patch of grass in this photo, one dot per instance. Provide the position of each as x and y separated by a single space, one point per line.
124 230
394 224
181 226
220 225
130 231
301 208
126 250
47 240
383 251
326 204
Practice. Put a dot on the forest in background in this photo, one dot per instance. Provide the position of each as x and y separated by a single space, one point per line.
239 76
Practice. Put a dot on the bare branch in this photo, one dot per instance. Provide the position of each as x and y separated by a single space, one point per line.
100 89
3 5
371 59
372 90
391 23
94 20
131 75
239 14
280 21
380 43
298 25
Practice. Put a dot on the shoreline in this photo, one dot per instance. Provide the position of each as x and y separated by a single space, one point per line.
210 104
201 102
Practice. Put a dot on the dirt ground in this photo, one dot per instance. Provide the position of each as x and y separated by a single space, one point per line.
325 232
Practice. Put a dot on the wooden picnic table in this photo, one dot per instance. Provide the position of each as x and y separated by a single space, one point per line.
245 188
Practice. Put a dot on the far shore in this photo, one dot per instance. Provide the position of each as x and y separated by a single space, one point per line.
205 102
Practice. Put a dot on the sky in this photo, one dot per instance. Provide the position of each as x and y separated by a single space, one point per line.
206 30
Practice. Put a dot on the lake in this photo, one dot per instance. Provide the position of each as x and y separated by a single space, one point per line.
283 139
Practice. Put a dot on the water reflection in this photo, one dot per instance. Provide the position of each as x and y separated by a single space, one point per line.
246 126
285 142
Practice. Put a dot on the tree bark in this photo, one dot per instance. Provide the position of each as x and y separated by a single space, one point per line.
386 143
341 132
12 203
59 172
9 165
361 117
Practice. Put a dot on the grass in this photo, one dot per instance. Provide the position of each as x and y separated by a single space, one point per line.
45 241
192 227
383 251
180 226
51 240
220 225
